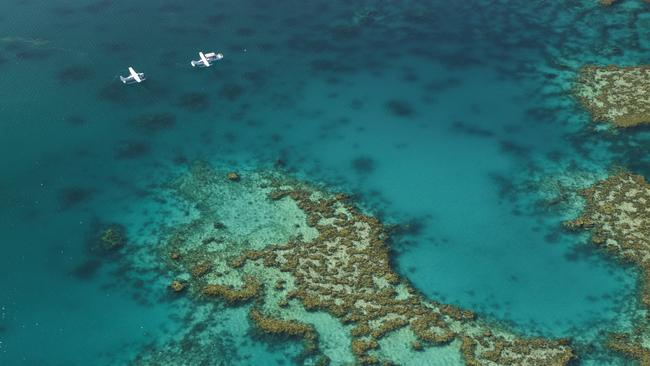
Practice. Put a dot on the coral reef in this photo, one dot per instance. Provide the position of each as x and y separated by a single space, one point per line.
615 94
611 2
249 290
113 237
617 213
233 176
177 286
200 269
332 258
631 346
289 328
417 345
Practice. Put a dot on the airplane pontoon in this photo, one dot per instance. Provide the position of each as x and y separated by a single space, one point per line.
207 59
134 77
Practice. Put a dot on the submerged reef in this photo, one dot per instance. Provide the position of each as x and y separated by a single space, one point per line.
615 94
631 345
611 2
113 237
292 251
617 213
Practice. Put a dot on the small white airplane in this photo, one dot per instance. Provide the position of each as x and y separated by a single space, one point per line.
134 77
207 59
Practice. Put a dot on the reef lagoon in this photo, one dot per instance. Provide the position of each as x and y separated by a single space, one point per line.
354 183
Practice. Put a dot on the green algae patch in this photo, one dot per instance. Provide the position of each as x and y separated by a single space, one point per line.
617 212
615 94
297 251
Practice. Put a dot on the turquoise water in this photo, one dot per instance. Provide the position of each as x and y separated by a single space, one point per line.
452 117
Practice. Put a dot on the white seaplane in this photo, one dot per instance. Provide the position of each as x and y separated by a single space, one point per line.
134 77
207 59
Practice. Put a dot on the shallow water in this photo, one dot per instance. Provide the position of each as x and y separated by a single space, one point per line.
440 114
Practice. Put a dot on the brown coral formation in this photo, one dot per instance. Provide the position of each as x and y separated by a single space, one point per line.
417 346
177 286
232 176
289 328
344 270
610 2
249 290
201 268
113 237
489 349
361 347
618 214
630 347
619 95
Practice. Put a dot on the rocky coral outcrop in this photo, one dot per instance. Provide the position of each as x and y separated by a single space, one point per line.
616 94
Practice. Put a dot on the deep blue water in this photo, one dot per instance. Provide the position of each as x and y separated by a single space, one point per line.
443 114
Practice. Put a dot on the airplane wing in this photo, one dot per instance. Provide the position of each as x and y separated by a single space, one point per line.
135 75
204 59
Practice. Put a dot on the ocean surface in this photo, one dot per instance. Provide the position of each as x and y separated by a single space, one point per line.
456 117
